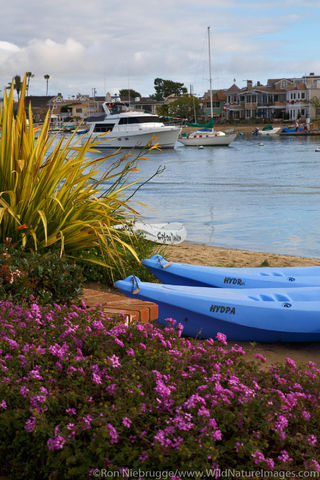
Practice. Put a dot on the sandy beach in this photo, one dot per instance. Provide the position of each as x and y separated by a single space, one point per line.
201 254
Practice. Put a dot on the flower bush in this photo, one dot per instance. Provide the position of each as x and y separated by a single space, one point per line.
80 391
29 276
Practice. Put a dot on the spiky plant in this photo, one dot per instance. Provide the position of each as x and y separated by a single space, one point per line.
49 192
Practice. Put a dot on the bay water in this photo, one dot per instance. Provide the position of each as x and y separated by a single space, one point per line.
258 193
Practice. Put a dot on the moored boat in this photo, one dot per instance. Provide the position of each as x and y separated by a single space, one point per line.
171 233
231 277
121 127
266 315
207 138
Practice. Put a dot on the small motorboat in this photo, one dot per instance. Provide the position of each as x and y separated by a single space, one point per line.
231 277
267 130
317 149
171 233
265 315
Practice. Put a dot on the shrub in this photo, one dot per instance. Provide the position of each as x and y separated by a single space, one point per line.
29 277
80 392
143 248
52 195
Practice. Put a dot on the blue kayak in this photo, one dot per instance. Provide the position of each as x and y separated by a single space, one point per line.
224 277
266 315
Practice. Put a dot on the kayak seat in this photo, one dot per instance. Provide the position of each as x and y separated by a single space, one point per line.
271 274
267 298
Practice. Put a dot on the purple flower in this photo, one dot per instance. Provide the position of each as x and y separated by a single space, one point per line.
3 405
126 422
312 440
113 433
291 363
114 360
30 424
221 337
130 352
56 443
258 457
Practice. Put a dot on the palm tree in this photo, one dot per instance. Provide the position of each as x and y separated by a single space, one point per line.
17 84
29 76
47 80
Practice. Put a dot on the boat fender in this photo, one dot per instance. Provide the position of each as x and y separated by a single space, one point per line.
135 284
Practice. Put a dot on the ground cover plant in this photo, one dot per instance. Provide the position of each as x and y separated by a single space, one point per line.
26 277
80 392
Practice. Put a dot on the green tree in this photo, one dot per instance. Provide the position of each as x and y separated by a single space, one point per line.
46 77
126 94
17 84
29 76
185 107
164 88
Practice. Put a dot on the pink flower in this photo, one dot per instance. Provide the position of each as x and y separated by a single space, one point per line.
126 422
113 433
221 337
291 363
96 378
114 360
56 443
284 457
30 424
306 415
130 352
217 435
260 356
258 457
3 405
312 440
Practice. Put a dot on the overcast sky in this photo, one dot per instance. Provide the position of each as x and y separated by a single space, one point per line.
115 44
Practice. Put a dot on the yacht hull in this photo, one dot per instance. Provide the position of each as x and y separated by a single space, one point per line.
166 137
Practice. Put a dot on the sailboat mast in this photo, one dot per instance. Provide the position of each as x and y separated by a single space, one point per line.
210 75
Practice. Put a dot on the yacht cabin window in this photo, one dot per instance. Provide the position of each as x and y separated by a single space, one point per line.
103 127
142 119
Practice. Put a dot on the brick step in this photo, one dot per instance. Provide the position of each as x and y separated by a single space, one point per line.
112 303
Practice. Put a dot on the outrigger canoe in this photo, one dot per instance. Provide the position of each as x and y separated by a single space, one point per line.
224 277
266 315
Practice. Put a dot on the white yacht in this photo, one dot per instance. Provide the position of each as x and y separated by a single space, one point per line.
122 127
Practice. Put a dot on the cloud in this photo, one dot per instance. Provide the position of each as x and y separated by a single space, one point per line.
103 43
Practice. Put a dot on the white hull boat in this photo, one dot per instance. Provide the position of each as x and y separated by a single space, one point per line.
267 131
121 127
171 233
207 139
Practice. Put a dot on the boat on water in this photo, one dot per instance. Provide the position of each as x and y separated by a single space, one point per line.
229 277
267 130
203 137
121 127
207 136
171 233
265 315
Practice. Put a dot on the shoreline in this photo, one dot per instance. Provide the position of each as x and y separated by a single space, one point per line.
275 353
202 254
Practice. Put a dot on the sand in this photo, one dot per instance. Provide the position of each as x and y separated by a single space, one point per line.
200 254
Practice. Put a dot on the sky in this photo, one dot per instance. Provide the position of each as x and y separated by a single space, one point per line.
109 45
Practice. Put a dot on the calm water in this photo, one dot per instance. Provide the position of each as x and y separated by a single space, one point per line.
245 196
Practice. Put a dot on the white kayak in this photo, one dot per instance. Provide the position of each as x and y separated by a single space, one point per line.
171 233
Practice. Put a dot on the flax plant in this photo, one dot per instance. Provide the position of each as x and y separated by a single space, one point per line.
50 196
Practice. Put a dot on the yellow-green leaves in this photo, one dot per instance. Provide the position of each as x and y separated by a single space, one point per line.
52 192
